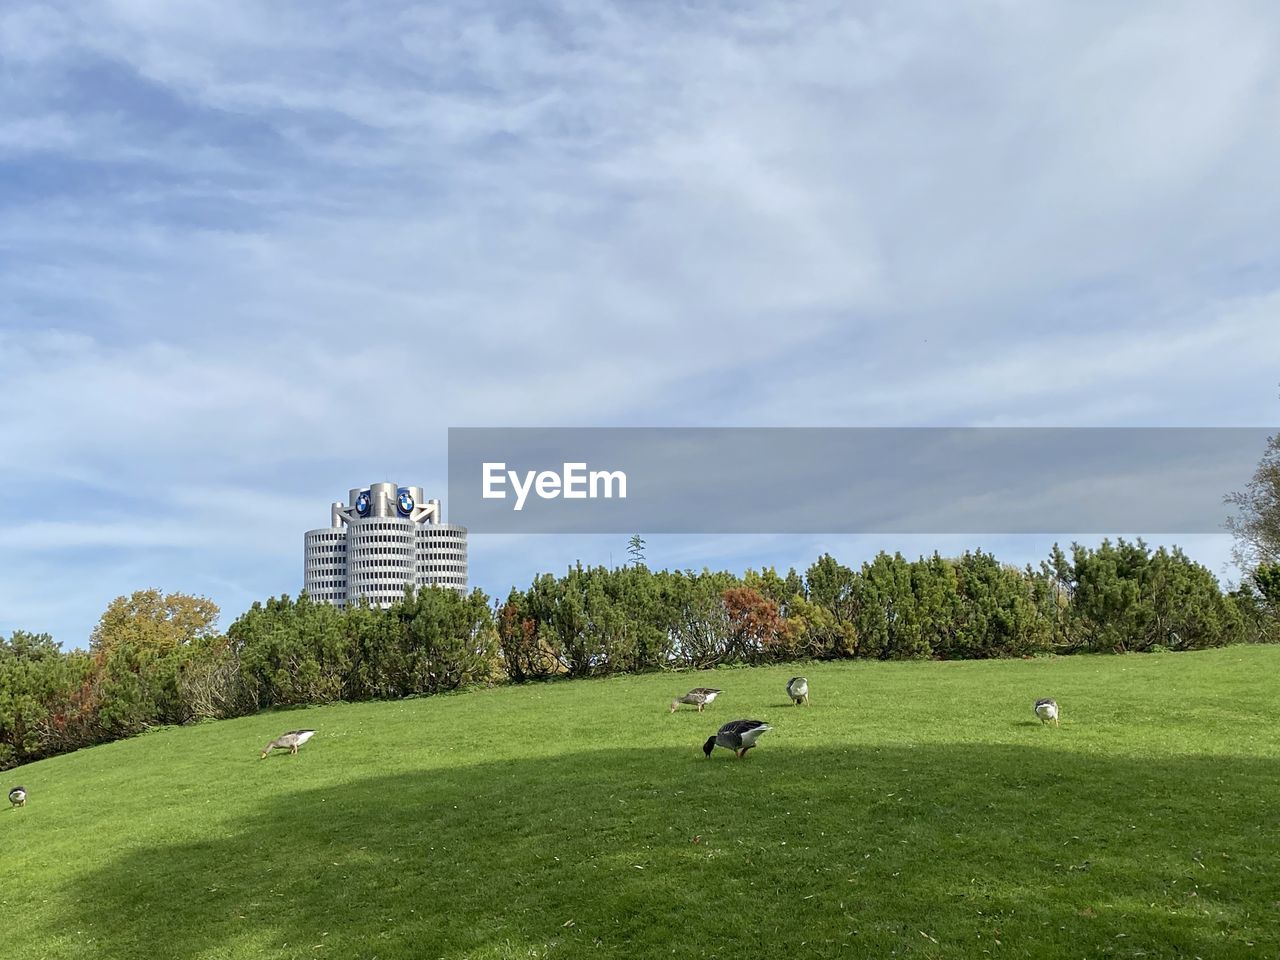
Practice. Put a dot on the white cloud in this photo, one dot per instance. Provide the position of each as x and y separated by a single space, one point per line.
258 247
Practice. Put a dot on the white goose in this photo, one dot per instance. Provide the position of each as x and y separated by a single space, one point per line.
18 796
1047 711
798 690
290 741
698 697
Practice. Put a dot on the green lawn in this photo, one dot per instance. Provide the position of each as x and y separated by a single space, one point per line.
913 810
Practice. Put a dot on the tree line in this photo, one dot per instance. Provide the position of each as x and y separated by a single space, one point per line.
155 659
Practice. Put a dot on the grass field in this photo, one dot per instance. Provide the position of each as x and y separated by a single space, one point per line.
913 810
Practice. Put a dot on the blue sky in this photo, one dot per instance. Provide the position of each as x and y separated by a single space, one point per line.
252 255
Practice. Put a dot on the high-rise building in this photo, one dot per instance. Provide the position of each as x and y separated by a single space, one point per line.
384 537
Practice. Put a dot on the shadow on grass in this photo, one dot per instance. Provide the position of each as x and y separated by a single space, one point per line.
929 851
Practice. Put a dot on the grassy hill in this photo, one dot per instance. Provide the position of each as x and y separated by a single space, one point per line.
913 810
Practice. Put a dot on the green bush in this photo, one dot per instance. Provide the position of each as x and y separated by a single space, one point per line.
158 659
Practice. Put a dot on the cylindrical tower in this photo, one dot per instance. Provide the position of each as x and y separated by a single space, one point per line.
380 557
383 496
442 555
324 574
385 538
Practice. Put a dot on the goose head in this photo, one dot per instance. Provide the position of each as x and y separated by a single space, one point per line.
709 746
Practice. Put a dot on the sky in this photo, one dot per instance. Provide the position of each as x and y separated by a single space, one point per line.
253 255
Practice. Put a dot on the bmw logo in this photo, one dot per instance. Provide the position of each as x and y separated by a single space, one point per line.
405 501
362 503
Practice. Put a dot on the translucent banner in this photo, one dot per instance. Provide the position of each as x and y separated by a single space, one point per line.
848 480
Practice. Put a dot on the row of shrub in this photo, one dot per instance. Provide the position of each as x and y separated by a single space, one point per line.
157 659
1118 597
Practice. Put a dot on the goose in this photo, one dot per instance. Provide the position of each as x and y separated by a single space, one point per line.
1047 711
798 690
290 741
18 796
736 735
698 697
